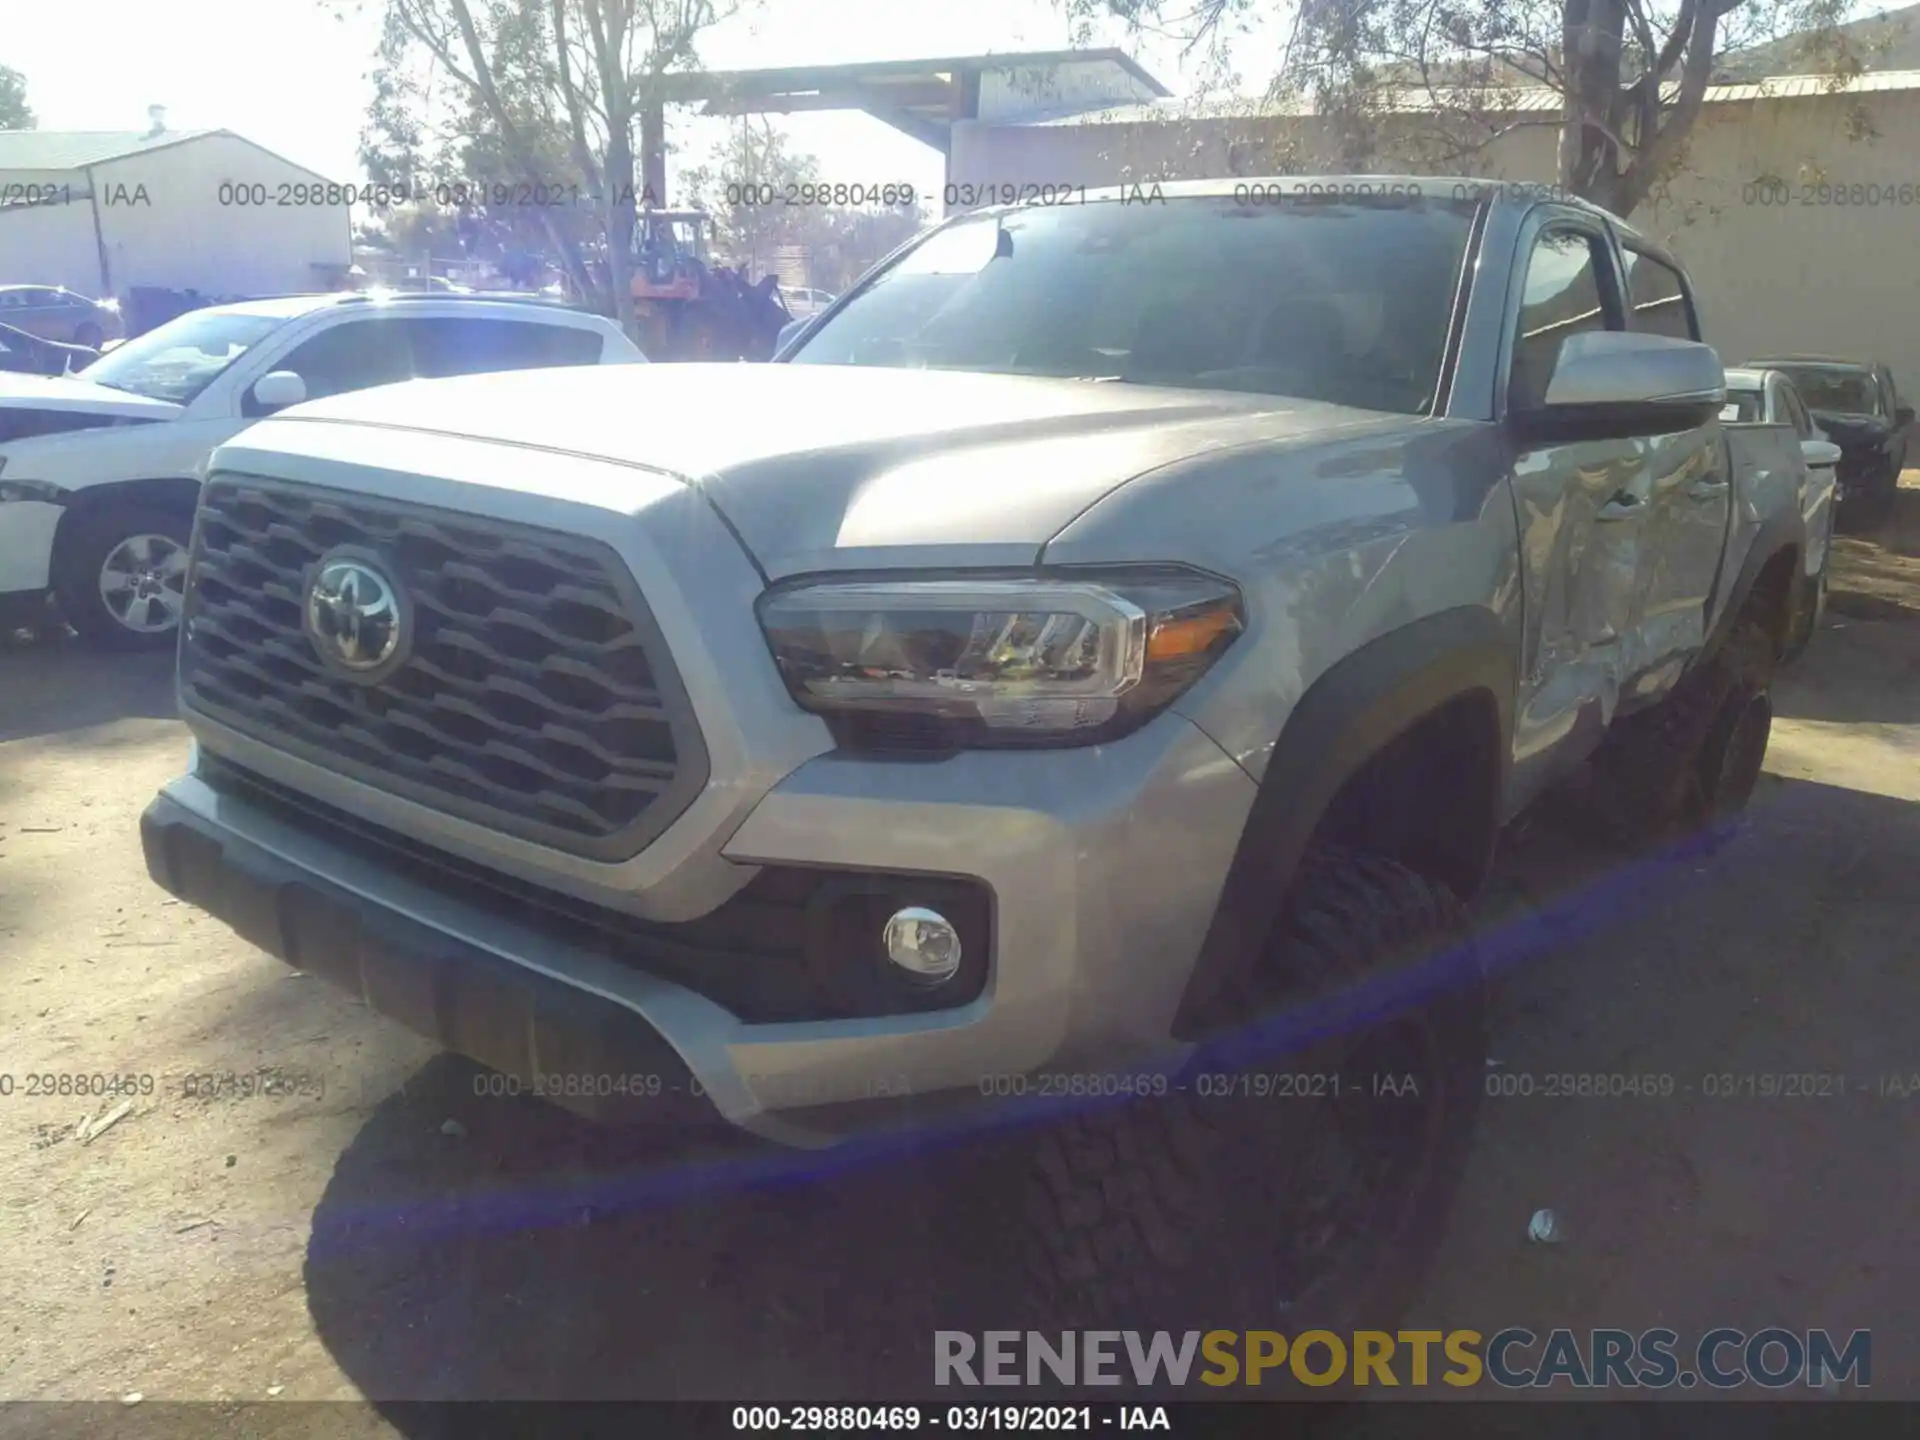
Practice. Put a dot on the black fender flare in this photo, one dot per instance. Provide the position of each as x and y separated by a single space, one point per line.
1350 714
1780 532
175 492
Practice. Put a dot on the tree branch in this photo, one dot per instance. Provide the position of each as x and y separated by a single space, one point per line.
1676 45
1663 150
572 101
483 83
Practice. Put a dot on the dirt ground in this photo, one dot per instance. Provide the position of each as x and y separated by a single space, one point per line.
329 1241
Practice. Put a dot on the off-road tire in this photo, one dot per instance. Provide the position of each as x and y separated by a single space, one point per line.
1163 1212
77 567
1647 781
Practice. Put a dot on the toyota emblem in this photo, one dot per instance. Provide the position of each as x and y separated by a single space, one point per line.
353 614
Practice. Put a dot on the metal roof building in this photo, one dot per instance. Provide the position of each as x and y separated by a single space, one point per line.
104 212
926 98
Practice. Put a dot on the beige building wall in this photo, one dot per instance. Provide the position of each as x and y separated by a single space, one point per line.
1808 273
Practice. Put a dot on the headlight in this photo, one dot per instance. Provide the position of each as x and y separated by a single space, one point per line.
1059 660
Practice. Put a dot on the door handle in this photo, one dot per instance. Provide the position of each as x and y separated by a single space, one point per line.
1623 506
1707 489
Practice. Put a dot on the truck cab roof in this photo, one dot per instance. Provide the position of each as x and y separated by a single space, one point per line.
1489 190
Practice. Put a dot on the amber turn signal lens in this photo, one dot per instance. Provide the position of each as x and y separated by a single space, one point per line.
1180 637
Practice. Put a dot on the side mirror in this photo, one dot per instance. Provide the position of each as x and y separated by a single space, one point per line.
787 332
1610 384
277 390
1819 453
1903 415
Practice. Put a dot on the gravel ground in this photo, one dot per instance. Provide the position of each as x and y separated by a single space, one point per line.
328 1240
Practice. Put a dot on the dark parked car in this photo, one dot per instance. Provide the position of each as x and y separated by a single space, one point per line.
30 355
1857 405
55 313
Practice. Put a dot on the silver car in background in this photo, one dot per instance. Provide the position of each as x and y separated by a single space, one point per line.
56 313
1768 397
804 303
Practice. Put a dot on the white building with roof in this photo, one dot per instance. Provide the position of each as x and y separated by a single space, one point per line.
102 212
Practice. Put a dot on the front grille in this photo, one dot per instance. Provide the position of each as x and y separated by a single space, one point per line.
536 696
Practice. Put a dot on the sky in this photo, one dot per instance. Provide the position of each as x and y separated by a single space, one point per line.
292 74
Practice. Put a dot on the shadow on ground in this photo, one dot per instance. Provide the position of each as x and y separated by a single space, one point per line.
537 1257
464 1266
54 683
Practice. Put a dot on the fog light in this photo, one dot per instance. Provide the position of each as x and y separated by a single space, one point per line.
924 944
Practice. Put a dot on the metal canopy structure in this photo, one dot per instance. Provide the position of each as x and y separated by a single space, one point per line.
923 98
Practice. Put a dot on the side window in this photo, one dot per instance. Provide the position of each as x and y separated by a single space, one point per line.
1658 298
352 355
464 345
12 299
1563 297
1889 397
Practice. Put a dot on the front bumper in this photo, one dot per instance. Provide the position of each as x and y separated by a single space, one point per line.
1105 866
465 997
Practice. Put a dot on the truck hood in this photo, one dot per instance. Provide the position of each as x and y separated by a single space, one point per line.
824 467
78 394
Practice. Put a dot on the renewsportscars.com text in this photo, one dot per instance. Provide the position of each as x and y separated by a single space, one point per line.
1514 1358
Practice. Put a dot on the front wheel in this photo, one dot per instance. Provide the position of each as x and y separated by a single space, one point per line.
121 578
1299 1171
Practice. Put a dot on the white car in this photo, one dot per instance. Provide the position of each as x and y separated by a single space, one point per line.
803 303
1767 397
99 472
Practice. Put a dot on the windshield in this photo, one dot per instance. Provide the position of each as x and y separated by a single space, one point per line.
182 357
1826 387
1346 301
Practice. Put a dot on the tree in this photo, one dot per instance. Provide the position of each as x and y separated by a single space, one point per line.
545 97
15 113
753 166
1437 76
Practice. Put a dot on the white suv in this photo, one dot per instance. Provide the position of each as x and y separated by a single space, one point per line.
99 472
804 304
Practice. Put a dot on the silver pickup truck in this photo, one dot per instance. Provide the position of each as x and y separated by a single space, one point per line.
1082 682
